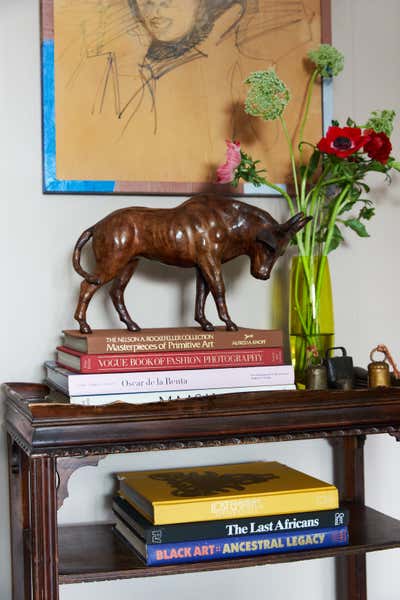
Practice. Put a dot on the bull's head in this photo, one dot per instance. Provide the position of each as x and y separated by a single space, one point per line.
273 241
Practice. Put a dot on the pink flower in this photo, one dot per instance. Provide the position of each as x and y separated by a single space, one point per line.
226 172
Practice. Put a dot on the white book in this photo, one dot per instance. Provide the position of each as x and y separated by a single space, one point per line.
79 384
169 396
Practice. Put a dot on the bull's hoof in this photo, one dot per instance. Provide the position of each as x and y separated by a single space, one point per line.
84 327
132 326
231 326
205 325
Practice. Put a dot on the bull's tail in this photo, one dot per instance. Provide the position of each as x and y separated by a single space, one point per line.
76 257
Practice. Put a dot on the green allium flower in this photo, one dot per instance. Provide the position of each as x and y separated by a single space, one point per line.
327 59
267 96
381 121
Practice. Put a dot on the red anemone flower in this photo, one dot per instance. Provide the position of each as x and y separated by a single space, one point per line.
342 141
378 146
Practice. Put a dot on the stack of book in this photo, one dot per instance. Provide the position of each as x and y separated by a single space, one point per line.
226 511
166 364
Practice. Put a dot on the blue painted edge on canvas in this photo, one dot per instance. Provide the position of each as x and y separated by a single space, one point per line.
263 190
50 181
327 103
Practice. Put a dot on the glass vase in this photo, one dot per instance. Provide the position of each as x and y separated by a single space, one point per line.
311 321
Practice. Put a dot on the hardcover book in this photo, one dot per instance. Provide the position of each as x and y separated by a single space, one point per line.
170 339
57 395
164 361
226 528
78 384
224 491
236 547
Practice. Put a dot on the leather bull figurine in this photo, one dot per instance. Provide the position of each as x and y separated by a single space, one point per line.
204 232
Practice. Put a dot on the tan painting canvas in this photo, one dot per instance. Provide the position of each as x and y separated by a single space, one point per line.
147 91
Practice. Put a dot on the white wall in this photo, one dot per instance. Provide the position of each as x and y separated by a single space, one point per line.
39 293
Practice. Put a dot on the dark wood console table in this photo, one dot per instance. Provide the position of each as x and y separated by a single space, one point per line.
49 441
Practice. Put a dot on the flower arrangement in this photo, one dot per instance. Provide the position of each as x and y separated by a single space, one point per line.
328 179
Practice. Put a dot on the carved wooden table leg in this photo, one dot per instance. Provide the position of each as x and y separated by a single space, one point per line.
43 521
19 519
351 581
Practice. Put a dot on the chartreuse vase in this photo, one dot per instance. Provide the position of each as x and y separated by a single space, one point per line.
311 321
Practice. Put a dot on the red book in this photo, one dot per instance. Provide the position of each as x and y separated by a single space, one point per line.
167 361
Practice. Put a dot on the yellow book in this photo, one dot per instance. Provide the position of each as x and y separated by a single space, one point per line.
224 491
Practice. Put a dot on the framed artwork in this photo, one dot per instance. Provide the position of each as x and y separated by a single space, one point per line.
139 96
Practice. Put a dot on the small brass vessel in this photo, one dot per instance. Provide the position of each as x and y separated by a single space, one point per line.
316 377
378 372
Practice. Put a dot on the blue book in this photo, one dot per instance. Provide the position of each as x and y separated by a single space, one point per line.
232 547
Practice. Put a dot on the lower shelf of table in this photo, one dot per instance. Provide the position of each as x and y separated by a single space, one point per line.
96 553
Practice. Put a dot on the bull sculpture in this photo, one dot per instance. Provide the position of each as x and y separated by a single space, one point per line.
204 232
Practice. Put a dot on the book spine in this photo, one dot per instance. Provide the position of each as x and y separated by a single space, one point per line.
199 550
171 342
147 397
231 527
247 506
161 381
160 361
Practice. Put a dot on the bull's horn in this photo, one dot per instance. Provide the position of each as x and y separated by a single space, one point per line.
297 222
289 224
301 223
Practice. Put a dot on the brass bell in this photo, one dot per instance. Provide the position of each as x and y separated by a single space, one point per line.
378 371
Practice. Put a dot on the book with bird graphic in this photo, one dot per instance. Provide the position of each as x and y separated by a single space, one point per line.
224 491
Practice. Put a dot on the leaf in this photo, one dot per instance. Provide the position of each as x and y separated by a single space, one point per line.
336 239
364 186
350 122
235 181
352 198
314 162
395 165
348 206
347 169
335 123
377 166
366 213
357 226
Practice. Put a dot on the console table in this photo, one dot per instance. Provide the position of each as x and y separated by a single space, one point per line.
48 441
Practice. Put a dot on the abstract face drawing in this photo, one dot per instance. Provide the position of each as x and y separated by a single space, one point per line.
167 20
177 26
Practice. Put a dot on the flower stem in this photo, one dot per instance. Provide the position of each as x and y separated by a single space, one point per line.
306 109
325 251
334 214
282 193
299 309
292 159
